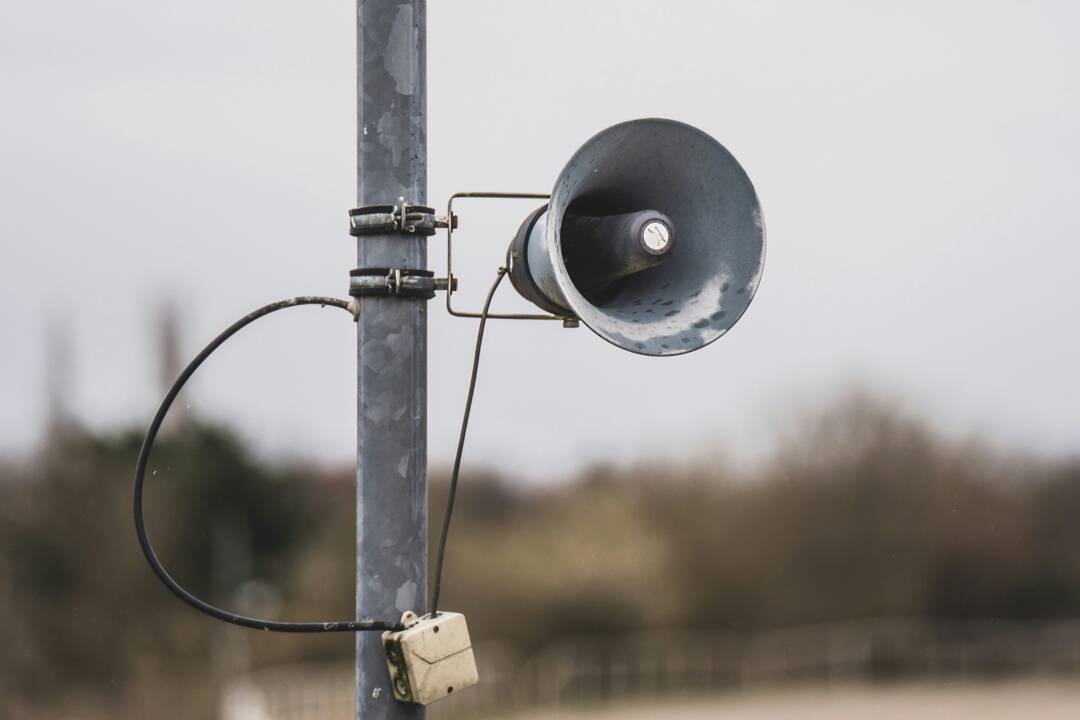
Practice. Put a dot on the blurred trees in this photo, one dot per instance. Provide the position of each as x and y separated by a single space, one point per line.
82 612
864 513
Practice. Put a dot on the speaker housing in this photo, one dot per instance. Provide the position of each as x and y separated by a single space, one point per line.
697 293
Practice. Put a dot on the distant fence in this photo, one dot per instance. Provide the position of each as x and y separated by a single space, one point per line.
599 669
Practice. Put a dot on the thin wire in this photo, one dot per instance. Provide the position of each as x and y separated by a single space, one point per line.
441 554
140 473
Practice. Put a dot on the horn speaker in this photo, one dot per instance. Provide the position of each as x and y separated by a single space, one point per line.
653 237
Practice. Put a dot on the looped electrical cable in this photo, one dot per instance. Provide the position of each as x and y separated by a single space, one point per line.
140 473
159 418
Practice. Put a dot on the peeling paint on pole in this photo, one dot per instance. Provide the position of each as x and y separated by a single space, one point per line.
401 60
391 547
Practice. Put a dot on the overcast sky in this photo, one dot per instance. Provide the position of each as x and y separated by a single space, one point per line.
918 164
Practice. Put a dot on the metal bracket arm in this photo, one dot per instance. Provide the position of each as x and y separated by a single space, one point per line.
450 227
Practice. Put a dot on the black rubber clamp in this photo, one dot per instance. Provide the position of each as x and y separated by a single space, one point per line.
387 282
402 218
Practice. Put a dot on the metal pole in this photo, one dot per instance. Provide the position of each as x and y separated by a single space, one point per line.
391 471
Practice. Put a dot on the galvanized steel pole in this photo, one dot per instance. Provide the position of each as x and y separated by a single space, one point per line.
391 471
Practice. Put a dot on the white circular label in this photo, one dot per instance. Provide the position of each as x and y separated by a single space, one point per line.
656 236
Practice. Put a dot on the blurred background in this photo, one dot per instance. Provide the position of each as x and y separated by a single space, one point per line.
862 501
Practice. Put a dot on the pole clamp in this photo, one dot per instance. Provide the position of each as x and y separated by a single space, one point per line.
401 218
398 282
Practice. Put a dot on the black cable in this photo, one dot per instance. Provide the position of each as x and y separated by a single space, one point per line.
441 554
140 472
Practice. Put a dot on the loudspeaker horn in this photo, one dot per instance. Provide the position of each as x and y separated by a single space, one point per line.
653 237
